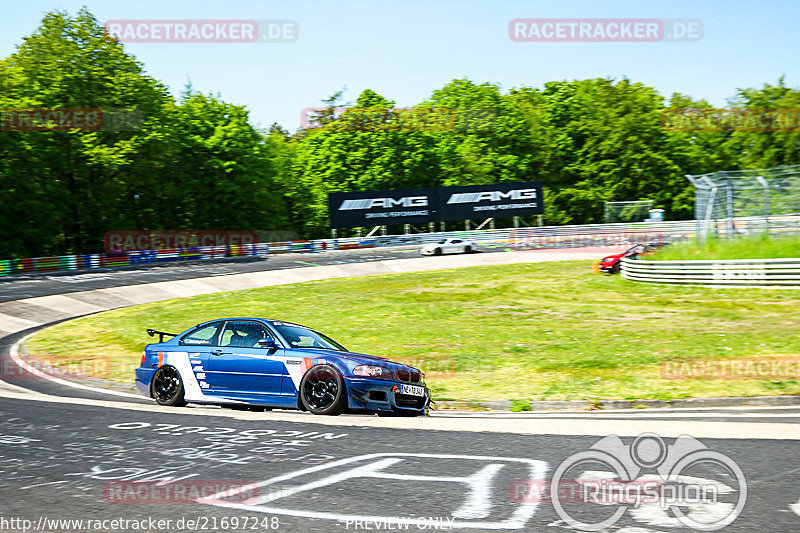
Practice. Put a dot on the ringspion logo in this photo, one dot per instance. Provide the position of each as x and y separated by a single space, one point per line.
684 484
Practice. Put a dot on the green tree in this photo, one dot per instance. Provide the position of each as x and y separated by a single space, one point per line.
75 180
775 145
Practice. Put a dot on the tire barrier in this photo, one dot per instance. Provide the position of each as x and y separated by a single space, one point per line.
719 273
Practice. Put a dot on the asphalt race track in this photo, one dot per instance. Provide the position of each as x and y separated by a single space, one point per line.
121 463
29 286
83 461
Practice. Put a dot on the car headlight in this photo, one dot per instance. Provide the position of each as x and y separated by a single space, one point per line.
375 372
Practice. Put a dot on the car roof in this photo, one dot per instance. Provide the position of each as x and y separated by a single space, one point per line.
267 320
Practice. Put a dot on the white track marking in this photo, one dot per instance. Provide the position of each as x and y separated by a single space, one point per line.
572 415
627 416
599 428
570 412
14 354
795 507
42 484
475 505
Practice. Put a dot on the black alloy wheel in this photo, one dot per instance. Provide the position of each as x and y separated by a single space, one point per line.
167 387
323 391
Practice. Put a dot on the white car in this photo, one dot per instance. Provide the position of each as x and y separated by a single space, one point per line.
448 246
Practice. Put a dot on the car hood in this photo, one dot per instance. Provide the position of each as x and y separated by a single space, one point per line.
359 358
613 257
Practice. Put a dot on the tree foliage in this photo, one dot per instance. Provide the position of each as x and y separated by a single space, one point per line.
196 162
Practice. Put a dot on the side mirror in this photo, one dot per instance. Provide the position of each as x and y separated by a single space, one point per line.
267 343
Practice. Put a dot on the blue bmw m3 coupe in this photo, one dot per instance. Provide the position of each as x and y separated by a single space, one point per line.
256 363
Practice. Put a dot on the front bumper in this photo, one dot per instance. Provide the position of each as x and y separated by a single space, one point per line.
604 267
379 395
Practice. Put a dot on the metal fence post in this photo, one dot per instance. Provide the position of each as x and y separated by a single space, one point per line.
763 183
729 206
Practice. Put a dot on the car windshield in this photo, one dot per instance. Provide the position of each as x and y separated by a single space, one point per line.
636 249
443 241
301 337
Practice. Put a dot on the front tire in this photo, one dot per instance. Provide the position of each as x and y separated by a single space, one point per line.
468 249
437 251
167 387
323 391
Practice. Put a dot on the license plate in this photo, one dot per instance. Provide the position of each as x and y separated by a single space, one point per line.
411 390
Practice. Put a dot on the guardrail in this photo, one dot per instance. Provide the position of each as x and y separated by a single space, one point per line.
529 238
731 272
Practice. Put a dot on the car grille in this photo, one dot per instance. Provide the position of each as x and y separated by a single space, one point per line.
408 376
406 400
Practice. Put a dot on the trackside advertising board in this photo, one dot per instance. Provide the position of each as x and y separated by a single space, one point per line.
378 208
487 201
416 206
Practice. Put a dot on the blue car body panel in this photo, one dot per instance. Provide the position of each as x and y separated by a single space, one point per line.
215 374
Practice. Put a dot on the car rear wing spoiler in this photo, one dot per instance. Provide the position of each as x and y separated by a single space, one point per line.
153 333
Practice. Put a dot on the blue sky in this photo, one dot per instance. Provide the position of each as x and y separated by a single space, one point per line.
406 49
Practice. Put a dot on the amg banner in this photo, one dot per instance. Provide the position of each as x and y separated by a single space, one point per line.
491 201
416 206
379 208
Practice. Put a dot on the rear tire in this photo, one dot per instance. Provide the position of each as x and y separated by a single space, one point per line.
323 391
468 249
167 387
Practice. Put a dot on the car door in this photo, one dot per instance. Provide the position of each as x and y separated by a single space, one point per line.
198 344
453 246
238 368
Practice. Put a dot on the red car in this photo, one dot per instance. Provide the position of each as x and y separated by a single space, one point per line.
611 263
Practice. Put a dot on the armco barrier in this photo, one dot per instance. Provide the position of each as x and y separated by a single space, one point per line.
301 247
279 247
731 273
531 238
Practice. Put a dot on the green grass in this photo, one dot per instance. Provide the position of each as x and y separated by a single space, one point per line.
750 247
543 331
